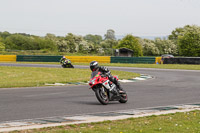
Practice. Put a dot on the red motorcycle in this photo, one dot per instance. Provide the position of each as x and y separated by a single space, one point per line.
105 90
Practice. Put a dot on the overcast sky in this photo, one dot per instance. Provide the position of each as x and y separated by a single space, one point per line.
81 17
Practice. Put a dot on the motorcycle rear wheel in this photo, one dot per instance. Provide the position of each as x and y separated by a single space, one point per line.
63 66
102 95
123 98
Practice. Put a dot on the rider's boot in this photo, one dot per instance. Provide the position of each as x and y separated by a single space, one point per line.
121 90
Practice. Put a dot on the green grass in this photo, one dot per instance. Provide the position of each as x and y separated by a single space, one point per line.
188 122
163 66
44 52
32 76
159 66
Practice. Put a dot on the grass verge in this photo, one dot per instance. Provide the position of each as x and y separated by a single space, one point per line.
159 66
32 76
188 122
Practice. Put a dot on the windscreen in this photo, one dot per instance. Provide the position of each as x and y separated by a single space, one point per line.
94 73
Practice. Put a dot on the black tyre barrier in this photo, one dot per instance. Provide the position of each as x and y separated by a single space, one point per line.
183 60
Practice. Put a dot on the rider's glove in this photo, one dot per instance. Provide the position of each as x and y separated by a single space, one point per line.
105 69
108 73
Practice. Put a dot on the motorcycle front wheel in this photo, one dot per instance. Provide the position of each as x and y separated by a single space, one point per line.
63 66
72 66
102 95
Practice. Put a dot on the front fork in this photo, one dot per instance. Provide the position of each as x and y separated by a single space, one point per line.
106 91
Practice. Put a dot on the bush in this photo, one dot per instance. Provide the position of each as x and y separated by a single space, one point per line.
132 43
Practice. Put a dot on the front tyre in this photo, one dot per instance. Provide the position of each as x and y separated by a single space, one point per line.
102 95
72 66
63 66
123 98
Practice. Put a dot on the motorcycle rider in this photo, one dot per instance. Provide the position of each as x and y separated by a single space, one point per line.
63 59
95 67
66 63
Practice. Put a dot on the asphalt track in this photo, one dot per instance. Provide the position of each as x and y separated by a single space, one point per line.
169 87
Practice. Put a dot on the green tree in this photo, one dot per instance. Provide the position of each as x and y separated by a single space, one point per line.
95 39
78 44
110 35
73 42
175 33
149 48
189 42
107 46
46 44
166 46
132 43
2 45
94 42
109 43
4 34
19 42
85 47
51 37
62 44
22 42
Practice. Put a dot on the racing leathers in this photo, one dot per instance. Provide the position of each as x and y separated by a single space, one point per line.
62 60
106 72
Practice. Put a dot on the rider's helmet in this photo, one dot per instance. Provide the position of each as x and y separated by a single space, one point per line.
63 59
93 65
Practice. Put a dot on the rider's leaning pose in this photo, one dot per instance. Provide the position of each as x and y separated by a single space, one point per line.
63 59
95 67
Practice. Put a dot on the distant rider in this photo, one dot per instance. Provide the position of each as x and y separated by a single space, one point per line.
63 59
95 67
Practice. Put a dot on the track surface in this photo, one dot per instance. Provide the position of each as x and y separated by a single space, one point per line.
170 87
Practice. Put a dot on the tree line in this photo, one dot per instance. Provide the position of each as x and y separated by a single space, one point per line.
183 41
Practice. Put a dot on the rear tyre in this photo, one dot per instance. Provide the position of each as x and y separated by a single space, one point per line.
123 98
102 95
